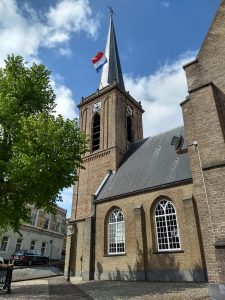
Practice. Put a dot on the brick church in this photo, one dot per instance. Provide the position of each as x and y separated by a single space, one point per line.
153 208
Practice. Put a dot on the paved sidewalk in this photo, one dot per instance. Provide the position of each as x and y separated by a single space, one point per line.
58 288
35 272
48 289
124 290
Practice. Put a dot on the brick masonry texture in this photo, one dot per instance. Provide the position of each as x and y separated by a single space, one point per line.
204 122
140 248
199 205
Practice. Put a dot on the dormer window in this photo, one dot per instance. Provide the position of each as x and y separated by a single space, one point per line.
96 132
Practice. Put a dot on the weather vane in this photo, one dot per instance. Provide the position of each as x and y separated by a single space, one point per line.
111 11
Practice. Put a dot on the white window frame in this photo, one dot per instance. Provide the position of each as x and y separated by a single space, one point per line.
43 247
112 227
4 243
32 247
17 243
163 203
58 223
47 218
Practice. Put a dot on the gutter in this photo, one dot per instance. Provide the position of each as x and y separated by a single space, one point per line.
163 186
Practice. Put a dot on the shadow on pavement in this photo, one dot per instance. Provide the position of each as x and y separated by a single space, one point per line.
60 289
112 290
53 288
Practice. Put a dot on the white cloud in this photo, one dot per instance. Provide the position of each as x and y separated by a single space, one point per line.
65 104
23 31
165 4
160 94
70 16
65 51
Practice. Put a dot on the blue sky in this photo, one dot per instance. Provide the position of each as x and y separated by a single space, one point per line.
155 38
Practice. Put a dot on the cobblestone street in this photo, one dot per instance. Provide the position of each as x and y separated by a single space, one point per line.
35 272
118 290
58 288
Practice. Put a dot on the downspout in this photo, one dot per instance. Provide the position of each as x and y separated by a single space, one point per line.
76 199
195 144
93 235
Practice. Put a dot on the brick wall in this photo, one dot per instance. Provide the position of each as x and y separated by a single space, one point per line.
204 122
113 146
113 143
142 260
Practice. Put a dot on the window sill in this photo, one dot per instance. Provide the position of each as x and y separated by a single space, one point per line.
116 254
168 252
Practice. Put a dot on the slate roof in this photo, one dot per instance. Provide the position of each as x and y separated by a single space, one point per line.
148 164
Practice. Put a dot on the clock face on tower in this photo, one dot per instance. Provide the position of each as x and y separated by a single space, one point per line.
129 110
96 106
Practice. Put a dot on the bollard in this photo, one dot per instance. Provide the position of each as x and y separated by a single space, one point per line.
6 277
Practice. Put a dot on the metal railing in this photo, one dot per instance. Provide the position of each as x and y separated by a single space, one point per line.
6 277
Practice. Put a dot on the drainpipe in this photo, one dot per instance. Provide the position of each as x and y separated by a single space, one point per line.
195 144
93 197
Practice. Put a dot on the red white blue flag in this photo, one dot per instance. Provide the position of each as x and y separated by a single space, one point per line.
99 60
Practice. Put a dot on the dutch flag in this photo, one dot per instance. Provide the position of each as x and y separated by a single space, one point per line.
99 60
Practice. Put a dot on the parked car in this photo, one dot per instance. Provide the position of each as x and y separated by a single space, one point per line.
29 257
1 260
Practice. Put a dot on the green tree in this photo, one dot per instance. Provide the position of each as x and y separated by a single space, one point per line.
39 153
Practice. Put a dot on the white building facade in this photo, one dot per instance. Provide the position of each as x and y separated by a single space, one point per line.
45 233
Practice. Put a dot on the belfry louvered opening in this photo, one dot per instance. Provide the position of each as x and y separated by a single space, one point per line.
96 132
129 129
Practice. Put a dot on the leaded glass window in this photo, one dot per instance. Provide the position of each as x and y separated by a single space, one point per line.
116 232
166 226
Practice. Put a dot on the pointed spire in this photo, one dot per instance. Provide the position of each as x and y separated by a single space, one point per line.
112 70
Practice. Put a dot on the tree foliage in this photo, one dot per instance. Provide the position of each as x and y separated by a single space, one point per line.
39 153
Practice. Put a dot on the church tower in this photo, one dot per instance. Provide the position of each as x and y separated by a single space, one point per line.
112 120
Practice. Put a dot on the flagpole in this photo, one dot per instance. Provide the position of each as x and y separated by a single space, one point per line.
101 84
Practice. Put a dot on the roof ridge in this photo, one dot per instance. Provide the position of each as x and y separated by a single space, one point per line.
167 131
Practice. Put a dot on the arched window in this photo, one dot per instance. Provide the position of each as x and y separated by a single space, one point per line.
116 232
166 226
129 129
96 132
